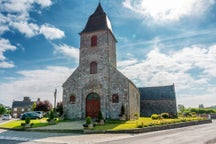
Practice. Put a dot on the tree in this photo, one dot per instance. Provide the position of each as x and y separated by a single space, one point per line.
181 108
201 106
2 109
59 108
43 106
33 106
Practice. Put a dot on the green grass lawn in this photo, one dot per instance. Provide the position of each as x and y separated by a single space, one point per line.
109 124
16 124
141 122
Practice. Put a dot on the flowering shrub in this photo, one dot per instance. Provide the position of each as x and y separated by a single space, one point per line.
154 116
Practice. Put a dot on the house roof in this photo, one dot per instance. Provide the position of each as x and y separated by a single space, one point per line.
97 21
157 93
22 104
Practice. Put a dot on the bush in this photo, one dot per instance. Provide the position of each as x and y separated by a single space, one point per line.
193 114
165 115
27 120
85 125
100 116
202 110
88 120
142 125
51 115
187 113
122 110
154 116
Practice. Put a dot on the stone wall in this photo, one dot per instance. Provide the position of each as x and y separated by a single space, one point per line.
149 107
134 101
119 86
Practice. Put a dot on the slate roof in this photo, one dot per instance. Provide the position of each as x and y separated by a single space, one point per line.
97 21
22 104
157 93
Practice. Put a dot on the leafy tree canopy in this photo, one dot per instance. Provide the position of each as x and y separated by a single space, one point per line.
43 106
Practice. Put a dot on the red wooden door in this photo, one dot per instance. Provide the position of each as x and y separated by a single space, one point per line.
92 105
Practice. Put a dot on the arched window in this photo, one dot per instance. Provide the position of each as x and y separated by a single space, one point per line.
93 68
72 99
94 40
115 98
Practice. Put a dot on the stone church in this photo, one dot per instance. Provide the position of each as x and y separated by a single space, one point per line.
96 85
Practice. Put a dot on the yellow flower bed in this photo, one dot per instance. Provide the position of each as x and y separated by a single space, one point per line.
145 122
16 124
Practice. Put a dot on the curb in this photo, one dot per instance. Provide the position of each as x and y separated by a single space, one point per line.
56 130
150 129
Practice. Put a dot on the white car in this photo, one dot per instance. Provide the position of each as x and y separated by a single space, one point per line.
6 117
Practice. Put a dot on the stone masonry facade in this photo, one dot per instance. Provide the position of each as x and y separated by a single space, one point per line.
106 82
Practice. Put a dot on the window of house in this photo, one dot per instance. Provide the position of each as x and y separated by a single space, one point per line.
94 40
72 99
15 115
93 68
115 98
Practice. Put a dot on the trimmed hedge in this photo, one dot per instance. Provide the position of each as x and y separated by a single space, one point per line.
165 115
154 116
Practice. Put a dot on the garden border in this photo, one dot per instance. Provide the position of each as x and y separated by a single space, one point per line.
151 128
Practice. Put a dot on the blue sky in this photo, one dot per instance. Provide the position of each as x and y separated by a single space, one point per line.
159 43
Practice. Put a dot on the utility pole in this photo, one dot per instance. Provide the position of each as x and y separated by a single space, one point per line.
55 93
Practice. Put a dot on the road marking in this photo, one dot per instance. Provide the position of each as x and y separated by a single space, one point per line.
15 138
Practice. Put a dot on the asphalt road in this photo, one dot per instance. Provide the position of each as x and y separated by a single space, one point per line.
10 142
200 134
1 121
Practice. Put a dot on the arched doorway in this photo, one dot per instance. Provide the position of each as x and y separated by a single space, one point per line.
92 105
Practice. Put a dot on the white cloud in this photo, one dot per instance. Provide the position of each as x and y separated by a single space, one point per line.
67 51
29 29
22 6
44 3
39 83
127 62
206 99
176 67
50 32
5 45
3 26
5 64
168 10
18 18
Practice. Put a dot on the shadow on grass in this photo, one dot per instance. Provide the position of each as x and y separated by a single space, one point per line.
109 125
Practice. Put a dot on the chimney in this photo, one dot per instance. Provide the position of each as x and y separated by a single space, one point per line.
26 99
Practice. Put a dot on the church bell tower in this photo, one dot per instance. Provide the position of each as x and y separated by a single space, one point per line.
97 42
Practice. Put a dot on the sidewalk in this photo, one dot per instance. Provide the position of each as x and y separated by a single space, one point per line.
72 126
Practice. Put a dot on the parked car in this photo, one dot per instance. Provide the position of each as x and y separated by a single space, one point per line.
40 113
6 117
31 115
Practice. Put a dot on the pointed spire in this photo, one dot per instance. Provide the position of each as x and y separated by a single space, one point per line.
99 10
97 21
